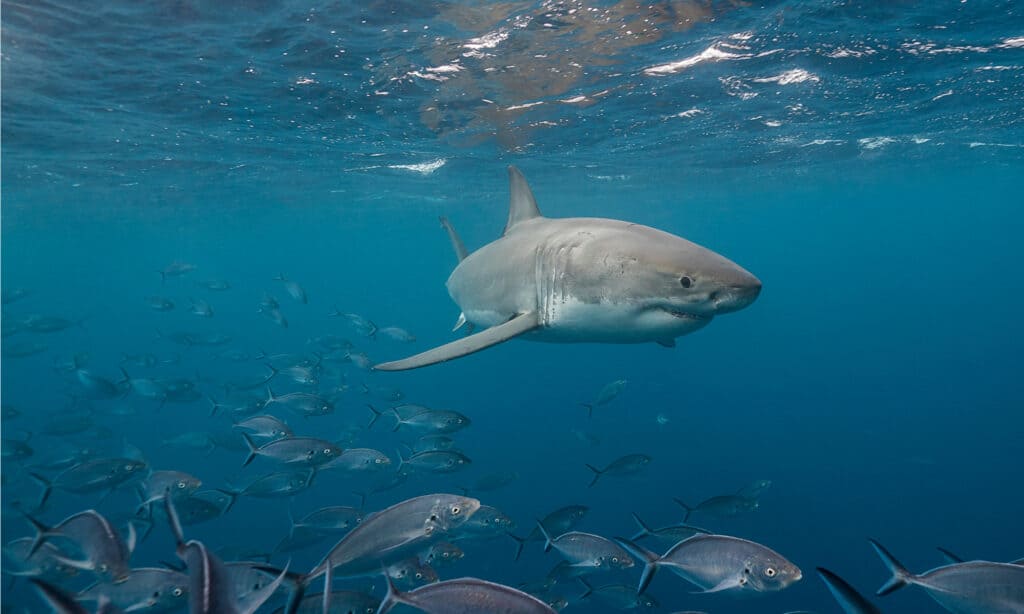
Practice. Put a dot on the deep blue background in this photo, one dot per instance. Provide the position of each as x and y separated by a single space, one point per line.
876 381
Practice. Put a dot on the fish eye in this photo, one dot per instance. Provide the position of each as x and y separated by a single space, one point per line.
685 281
455 510
182 484
444 555
327 451
615 559
419 576
177 592
770 572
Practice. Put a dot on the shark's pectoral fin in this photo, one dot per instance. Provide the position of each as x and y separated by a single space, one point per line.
666 343
518 325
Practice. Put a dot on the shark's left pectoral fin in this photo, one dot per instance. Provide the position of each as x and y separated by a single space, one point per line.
518 325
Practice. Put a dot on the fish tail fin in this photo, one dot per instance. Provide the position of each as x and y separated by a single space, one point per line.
590 409
588 589
270 396
398 420
597 474
273 374
43 533
253 450
298 581
47 488
520 542
651 562
173 520
689 510
401 460
214 405
127 378
233 494
373 330
900 576
376 415
547 537
393 598
325 605
644 529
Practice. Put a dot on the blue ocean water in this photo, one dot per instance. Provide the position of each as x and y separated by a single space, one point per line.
863 159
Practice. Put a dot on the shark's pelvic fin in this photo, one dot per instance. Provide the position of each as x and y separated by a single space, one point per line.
522 205
518 325
457 244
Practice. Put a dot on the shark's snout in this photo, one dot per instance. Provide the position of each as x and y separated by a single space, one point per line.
739 294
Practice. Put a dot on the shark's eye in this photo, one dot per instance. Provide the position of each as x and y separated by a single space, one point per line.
685 281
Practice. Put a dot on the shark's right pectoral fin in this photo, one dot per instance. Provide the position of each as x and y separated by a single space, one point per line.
518 325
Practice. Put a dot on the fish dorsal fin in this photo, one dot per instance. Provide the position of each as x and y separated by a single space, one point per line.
522 205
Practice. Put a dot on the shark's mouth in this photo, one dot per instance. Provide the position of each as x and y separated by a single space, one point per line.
684 315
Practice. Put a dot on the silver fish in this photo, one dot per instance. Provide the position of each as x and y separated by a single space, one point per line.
397 334
972 587
606 395
304 403
488 521
586 551
410 573
200 308
631 464
93 475
722 506
159 303
305 451
438 461
148 589
442 554
105 552
438 421
277 485
465 596
720 563
176 269
264 426
560 521
293 288
360 459
618 596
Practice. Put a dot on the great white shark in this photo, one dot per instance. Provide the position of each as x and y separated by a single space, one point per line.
573 280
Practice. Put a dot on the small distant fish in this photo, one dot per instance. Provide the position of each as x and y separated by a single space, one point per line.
159 303
662 419
296 291
436 461
209 339
150 589
360 324
24 349
438 421
410 573
442 554
277 485
359 359
433 442
177 484
721 506
201 308
494 481
588 438
93 475
176 269
194 440
216 285
487 522
630 464
333 519
304 403
265 427
360 459
203 506
14 294
397 334
385 393
48 324
606 395
619 596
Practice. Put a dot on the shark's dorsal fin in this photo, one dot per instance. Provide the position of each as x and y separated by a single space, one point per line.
522 205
